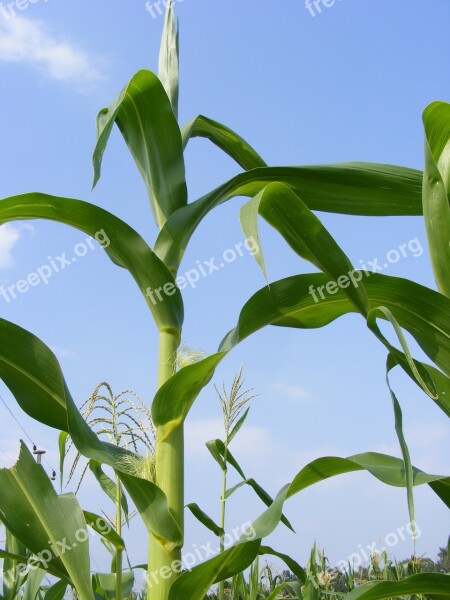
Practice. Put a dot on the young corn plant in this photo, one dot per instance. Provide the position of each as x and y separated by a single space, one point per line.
146 114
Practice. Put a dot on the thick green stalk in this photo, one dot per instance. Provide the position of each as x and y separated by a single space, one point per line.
164 565
119 532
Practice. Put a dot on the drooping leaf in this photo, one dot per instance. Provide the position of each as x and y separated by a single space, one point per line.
293 565
398 414
32 373
124 246
145 117
99 525
436 190
204 519
168 69
305 234
225 139
436 585
387 469
108 485
195 584
350 188
217 450
46 522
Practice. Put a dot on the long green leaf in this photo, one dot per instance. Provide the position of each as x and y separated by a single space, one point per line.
204 519
387 469
124 246
436 190
99 525
304 233
398 415
147 122
430 584
32 373
296 302
44 521
293 565
225 139
108 485
195 584
350 188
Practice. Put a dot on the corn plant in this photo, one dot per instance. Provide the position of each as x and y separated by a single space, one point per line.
146 114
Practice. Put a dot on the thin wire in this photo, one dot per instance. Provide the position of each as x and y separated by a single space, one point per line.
26 434
8 457
16 420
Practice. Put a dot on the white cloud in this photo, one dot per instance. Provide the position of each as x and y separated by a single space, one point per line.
293 392
62 352
25 41
9 236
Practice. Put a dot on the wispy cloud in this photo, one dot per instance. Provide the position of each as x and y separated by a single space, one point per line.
9 237
23 40
293 392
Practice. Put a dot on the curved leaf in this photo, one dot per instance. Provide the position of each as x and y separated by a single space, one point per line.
147 122
123 245
290 303
435 584
388 469
201 516
108 485
32 373
349 188
195 584
294 567
225 139
44 521
304 233
295 302
436 190
94 521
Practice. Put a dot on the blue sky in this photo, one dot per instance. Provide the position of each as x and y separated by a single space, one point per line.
347 84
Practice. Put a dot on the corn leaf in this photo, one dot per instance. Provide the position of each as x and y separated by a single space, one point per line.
224 138
145 117
436 585
348 188
436 190
43 521
124 246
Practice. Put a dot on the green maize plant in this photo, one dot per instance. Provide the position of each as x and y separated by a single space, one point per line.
146 114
